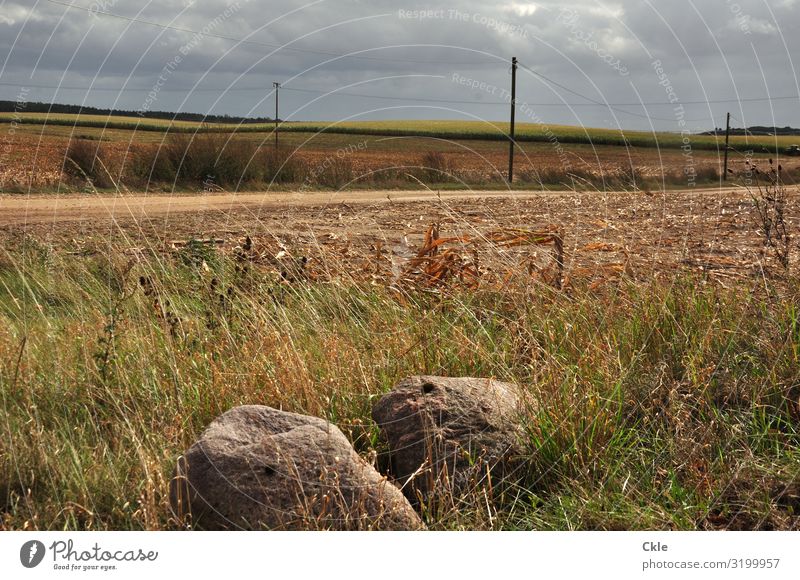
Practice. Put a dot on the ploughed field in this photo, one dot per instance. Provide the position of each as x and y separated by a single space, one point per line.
370 235
377 155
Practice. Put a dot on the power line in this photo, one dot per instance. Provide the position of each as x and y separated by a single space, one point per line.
259 43
661 103
592 104
125 88
601 103
334 92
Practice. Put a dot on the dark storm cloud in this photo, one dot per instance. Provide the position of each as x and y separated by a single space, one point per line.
714 49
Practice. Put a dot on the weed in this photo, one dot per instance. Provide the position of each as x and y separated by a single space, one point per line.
769 204
85 160
638 418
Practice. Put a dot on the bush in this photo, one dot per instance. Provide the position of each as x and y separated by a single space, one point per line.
283 166
224 161
151 164
335 172
86 160
707 173
216 157
197 159
630 177
435 167
558 176
545 175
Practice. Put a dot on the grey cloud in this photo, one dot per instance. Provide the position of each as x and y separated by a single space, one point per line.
696 42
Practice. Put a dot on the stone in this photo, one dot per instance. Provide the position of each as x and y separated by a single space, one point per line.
449 434
256 467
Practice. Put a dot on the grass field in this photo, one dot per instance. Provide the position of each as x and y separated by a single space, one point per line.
668 405
472 130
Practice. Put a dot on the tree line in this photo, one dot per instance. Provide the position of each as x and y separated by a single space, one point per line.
36 107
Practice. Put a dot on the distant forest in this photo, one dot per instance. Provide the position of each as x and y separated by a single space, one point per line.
756 130
12 106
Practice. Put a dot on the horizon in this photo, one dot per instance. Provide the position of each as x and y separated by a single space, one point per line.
629 66
235 118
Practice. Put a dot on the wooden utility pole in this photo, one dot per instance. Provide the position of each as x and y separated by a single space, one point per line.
511 128
277 87
727 135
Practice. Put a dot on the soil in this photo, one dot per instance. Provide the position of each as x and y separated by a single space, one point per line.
386 235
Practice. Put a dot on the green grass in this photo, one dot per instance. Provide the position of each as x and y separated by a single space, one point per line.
671 405
473 130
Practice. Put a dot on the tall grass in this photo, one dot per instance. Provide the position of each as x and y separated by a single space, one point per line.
87 160
230 162
670 405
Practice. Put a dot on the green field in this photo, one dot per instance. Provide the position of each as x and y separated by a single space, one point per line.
481 130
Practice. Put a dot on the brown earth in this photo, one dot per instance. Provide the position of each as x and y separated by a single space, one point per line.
381 235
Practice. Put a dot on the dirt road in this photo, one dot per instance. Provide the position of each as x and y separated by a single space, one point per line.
20 209
715 231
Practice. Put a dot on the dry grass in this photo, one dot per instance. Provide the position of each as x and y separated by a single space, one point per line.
87 160
769 200
233 163
180 161
664 405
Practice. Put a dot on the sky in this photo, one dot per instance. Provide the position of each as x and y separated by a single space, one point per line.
635 64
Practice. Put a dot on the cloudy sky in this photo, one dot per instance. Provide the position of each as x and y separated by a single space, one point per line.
629 63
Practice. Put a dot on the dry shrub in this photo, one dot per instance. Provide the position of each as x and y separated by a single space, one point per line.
194 159
389 176
225 160
151 164
87 160
547 175
769 203
436 167
566 177
629 177
283 166
790 175
335 172
707 173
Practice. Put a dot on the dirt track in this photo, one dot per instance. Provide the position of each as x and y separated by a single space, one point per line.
23 209
606 235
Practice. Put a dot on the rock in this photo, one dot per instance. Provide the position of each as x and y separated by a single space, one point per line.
256 467
449 433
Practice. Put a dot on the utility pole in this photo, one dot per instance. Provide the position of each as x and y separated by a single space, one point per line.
511 128
727 135
277 87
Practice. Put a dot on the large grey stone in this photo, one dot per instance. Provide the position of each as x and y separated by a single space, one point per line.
256 467
449 434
